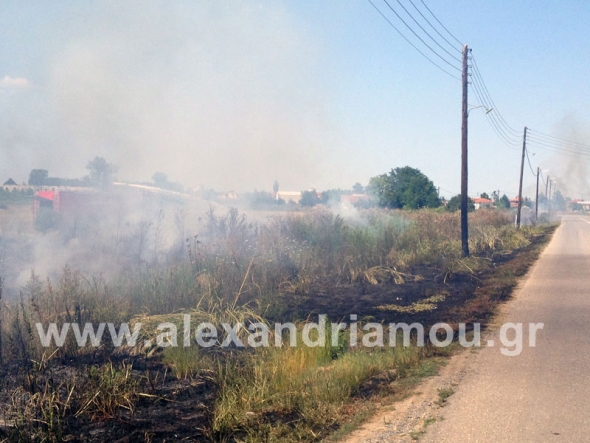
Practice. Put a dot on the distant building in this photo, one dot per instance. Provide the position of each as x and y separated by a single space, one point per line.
227 196
481 203
10 182
289 196
577 205
514 202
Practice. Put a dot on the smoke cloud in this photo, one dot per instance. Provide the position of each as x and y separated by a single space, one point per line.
569 169
219 94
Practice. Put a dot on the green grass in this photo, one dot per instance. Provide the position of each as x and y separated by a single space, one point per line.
266 395
416 435
187 363
443 395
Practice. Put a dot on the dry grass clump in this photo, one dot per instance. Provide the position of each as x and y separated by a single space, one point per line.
42 411
74 299
238 272
298 393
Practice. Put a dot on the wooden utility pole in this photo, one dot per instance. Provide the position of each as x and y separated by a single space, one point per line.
547 195
520 183
464 196
537 196
1 354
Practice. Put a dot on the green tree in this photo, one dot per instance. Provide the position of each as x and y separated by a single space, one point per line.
332 196
263 200
160 180
542 200
559 202
404 188
504 202
495 197
454 204
357 188
100 172
309 198
37 177
484 195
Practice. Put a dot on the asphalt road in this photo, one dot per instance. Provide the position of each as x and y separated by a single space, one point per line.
543 394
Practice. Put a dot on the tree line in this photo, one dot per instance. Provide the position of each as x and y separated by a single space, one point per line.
100 174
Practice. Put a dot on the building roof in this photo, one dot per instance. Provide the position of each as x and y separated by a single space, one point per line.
9 182
286 193
481 200
47 195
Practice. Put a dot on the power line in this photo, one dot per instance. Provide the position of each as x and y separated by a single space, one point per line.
434 28
479 77
564 150
439 22
477 73
420 38
502 129
529 162
506 134
542 178
561 140
412 44
451 192
425 31
493 119
506 139
558 145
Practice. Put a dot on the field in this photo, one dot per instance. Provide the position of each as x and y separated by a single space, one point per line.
366 268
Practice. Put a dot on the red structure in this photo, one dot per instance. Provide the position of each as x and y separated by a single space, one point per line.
43 199
67 201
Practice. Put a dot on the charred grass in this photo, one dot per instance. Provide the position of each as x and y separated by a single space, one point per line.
384 267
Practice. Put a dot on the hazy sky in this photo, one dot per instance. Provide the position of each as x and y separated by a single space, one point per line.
235 94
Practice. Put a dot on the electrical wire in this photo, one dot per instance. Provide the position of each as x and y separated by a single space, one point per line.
560 140
420 38
502 129
477 74
542 178
560 149
439 22
550 143
412 44
425 31
529 162
506 139
508 135
450 192
434 28
558 145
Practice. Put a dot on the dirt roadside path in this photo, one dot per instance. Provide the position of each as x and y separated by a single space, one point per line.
408 420
403 421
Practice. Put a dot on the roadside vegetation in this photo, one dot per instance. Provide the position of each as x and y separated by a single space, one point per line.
382 265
